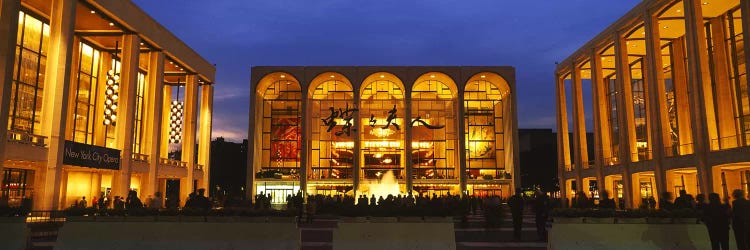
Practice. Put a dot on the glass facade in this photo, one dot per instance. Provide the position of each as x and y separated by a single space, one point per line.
434 137
382 127
138 126
334 126
86 97
484 111
28 74
281 130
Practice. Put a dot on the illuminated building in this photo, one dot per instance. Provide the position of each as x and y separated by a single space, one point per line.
333 130
86 95
667 88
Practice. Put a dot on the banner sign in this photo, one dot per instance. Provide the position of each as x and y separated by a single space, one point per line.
91 156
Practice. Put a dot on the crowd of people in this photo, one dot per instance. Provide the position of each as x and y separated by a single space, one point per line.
132 204
717 215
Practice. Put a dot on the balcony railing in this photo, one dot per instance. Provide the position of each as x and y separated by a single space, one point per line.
611 161
139 157
726 142
677 150
26 138
198 167
641 155
570 168
173 163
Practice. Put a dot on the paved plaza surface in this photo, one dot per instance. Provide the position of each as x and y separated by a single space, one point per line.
472 235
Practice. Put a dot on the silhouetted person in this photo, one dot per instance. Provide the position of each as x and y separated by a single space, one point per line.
541 212
157 202
605 202
741 219
666 201
373 201
700 202
133 203
200 201
82 202
684 201
716 217
516 209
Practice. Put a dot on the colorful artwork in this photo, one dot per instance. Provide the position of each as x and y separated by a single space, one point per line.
286 139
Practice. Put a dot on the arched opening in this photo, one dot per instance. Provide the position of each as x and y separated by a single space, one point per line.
333 128
382 126
434 138
486 106
278 140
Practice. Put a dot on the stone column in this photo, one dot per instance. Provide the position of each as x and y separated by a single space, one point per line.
625 116
8 35
601 122
126 112
359 126
699 77
166 107
561 140
745 8
654 78
54 108
407 141
461 130
188 136
580 149
153 117
306 135
204 139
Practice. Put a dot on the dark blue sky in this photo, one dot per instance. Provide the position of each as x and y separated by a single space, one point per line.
528 35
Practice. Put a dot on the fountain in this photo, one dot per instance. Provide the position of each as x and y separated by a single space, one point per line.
383 187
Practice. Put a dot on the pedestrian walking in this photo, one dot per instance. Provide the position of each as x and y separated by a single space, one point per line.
516 209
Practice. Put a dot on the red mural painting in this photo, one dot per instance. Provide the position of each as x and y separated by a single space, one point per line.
286 139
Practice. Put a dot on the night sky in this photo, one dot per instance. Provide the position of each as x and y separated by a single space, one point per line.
528 35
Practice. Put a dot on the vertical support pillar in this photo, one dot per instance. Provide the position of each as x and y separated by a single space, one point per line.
625 116
204 139
165 122
8 34
154 118
561 139
462 175
306 136
699 77
188 136
357 141
407 141
745 9
580 149
252 145
54 108
654 78
601 128
126 112
682 97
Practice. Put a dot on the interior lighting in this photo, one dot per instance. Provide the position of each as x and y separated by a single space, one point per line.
175 118
483 76
93 12
381 76
705 3
283 76
111 24
432 76
111 94
332 76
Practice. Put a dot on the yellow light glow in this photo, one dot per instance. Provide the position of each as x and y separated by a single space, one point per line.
343 144
382 144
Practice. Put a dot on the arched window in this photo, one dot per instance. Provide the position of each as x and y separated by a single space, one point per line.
333 125
281 131
382 130
485 108
434 136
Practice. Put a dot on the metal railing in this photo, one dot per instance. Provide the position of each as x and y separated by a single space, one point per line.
26 138
45 216
139 157
682 149
173 163
198 167
611 161
570 167
641 155
727 142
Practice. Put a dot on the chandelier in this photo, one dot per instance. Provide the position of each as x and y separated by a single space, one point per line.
112 93
175 118
381 132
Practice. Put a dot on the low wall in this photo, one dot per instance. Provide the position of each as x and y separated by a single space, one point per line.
631 236
13 233
178 235
394 235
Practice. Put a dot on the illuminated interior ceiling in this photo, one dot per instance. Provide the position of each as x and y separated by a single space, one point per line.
268 80
382 84
440 85
735 166
684 171
586 70
321 86
608 62
493 87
